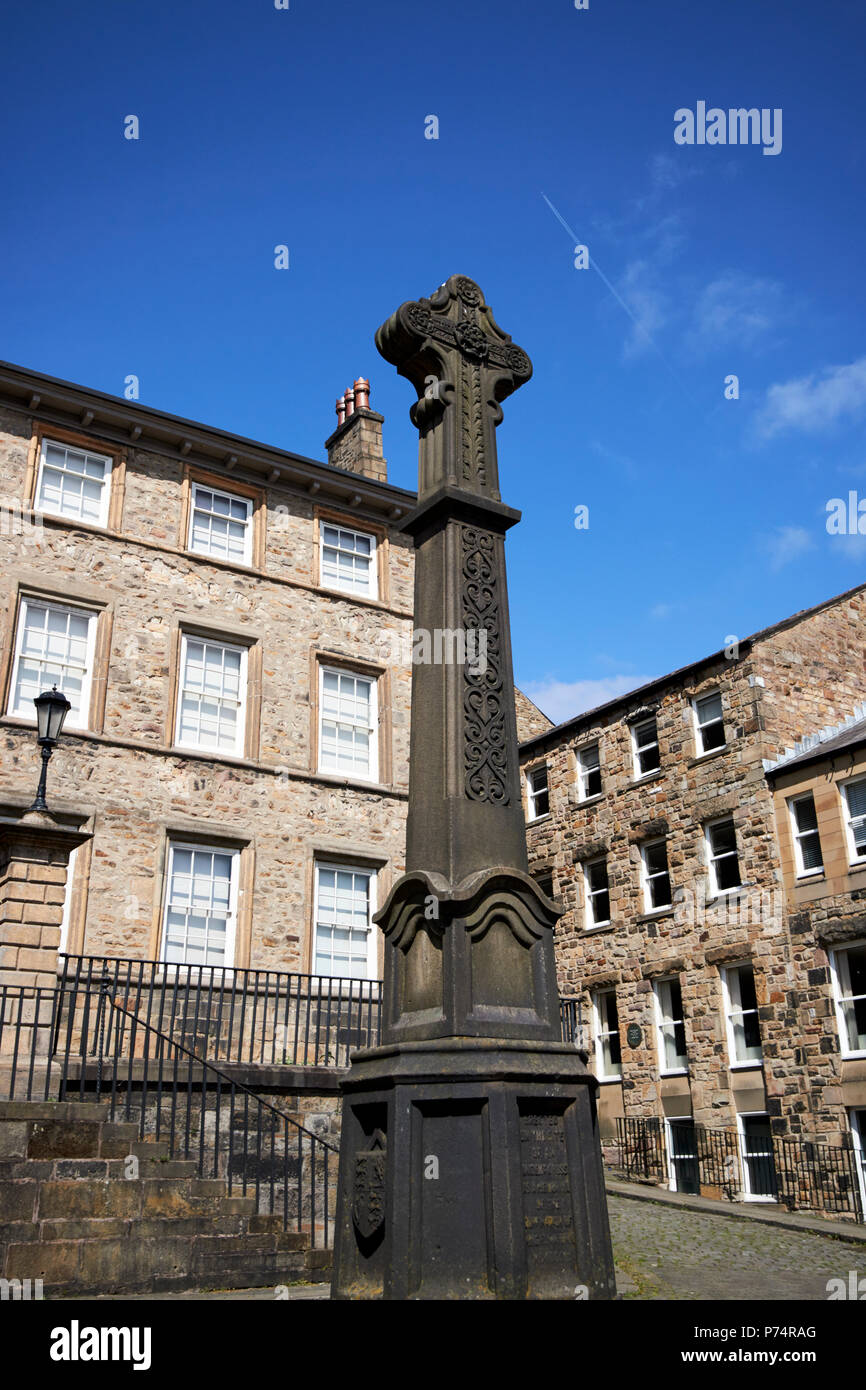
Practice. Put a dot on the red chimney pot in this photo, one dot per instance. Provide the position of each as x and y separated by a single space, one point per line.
362 394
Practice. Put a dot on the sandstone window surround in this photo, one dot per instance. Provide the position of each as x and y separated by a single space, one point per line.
344 935
222 520
215 682
211 696
58 641
378 711
209 838
605 1022
75 478
348 724
848 974
670 1026
742 1024
645 747
722 856
806 835
596 889
709 723
201 905
854 800
589 771
54 647
655 876
537 793
350 558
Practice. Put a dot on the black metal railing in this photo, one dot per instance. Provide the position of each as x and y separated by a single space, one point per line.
231 1132
200 1110
722 1163
265 1017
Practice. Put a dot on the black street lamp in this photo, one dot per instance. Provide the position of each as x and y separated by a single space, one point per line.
52 708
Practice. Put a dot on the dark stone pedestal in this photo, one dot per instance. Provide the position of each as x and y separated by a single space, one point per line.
471 1169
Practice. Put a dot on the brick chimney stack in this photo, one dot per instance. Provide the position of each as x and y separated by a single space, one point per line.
356 444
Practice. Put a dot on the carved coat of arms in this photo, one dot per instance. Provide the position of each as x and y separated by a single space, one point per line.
368 1191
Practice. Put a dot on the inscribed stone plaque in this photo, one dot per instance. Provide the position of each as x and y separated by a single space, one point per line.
547 1209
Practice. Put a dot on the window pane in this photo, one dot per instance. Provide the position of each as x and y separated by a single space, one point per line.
342 922
856 794
748 997
804 810
72 483
53 649
810 849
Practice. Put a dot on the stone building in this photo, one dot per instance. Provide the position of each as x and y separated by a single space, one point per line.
703 975
228 621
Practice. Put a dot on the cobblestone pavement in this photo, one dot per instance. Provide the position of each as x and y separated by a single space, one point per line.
665 1252
670 1253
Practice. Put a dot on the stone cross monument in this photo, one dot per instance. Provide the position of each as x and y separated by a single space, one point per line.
470 1163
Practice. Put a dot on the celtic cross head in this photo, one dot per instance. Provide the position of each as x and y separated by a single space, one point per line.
462 365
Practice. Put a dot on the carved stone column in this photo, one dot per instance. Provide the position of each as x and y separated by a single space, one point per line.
470 1161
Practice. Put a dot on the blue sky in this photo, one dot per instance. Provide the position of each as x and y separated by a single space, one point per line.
305 127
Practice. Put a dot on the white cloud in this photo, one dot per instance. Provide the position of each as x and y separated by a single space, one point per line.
646 305
816 402
788 543
661 610
563 699
736 309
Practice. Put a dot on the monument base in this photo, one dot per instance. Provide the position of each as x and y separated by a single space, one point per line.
471 1168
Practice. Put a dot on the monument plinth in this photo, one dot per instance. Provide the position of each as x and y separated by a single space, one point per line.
470 1164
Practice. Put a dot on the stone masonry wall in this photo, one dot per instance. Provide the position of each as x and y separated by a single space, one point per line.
136 786
813 675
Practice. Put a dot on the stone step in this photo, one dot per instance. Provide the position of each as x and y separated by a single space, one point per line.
76 1268
51 1110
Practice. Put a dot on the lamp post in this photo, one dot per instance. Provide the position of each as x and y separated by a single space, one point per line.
52 708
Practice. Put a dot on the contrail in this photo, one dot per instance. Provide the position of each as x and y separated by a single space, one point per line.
575 240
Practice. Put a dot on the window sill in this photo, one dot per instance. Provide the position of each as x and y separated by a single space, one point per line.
372 600
705 757
653 776
537 820
589 800
609 1080
678 1071
814 876
332 779
598 927
749 1066
655 913
853 1056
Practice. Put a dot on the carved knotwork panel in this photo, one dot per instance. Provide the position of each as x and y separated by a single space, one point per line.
485 744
